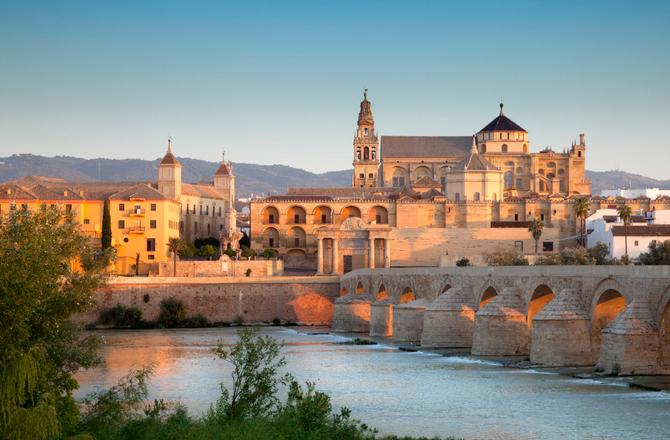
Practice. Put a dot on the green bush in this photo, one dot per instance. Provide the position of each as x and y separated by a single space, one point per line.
208 251
248 253
188 250
247 272
196 321
269 253
172 314
506 259
121 316
658 253
463 262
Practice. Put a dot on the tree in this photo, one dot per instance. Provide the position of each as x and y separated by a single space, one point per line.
256 375
106 239
208 251
175 246
535 229
658 253
506 258
48 270
625 213
581 213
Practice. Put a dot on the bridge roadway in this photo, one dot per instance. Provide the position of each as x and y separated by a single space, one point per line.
616 318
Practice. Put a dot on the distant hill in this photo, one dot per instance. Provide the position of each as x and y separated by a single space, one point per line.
250 178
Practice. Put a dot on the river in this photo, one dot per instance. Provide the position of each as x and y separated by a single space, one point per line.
397 392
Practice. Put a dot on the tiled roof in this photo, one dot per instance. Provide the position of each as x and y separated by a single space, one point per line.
223 170
475 162
190 189
346 192
12 191
169 159
426 182
141 191
642 231
502 123
425 146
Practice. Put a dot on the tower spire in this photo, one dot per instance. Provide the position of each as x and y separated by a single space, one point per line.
169 150
473 148
501 106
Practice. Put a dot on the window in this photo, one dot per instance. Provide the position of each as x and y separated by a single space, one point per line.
271 218
152 224
221 227
296 242
509 180
366 153
365 131
398 182
542 217
358 154
151 245
637 243
518 183
207 210
194 208
122 207
87 221
271 242
219 211
200 209
195 227
296 218
516 217
518 245
371 176
324 219
153 206
187 209
378 219
579 154
151 256
547 246
504 148
125 239
457 197
361 176
68 208
373 154
122 224
477 197
208 228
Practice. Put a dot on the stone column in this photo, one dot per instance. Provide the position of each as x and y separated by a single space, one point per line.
336 257
319 260
387 253
371 253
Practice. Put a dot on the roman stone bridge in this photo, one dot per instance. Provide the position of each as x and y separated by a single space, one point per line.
616 318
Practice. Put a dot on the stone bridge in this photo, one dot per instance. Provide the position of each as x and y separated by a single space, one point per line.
616 318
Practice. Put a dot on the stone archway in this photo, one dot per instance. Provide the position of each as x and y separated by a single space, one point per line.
360 288
542 295
382 293
607 307
407 296
487 296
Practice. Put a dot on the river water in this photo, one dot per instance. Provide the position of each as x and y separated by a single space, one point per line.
398 392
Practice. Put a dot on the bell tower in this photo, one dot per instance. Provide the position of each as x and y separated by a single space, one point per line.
366 148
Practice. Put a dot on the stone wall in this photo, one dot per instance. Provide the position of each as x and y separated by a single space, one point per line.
305 300
222 267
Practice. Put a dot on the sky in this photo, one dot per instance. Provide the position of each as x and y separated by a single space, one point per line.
281 82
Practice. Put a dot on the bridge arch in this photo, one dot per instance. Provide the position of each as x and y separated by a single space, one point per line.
541 296
382 293
608 303
360 288
407 295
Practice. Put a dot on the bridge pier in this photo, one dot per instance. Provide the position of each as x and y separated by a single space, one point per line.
408 320
449 321
381 318
630 343
352 313
561 332
501 327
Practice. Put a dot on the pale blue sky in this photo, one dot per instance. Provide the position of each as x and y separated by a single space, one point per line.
280 82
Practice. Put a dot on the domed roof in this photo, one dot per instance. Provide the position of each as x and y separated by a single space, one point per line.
502 123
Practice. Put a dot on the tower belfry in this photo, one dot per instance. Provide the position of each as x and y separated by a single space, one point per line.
366 147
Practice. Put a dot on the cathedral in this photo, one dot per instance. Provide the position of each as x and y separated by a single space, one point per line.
493 164
427 201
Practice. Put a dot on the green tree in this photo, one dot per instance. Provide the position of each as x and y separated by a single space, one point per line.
207 250
625 213
175 246
658 253
506 259
535 229
106 239
581 213
256 377
48 270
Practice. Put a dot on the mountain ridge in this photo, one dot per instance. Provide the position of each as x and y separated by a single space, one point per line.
251 179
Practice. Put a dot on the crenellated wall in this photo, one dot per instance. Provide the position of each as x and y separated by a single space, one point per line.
616 318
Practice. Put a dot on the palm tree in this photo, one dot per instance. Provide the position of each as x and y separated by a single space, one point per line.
535 228
581 212
625 212
175 245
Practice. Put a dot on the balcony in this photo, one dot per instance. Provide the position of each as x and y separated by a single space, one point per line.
137 212
136 229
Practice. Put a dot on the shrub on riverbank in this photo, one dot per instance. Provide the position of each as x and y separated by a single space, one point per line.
121 316
172 315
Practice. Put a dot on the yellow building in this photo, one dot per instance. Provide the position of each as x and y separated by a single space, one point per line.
144 215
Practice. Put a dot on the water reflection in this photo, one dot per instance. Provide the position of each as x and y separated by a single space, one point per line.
399 392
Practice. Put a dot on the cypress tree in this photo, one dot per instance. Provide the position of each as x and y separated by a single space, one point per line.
106 239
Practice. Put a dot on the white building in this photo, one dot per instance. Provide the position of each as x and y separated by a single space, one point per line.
652 193
605 226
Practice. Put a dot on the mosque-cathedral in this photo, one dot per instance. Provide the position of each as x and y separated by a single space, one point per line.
428 200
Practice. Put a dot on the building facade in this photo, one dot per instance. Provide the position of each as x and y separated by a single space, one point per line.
144 215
